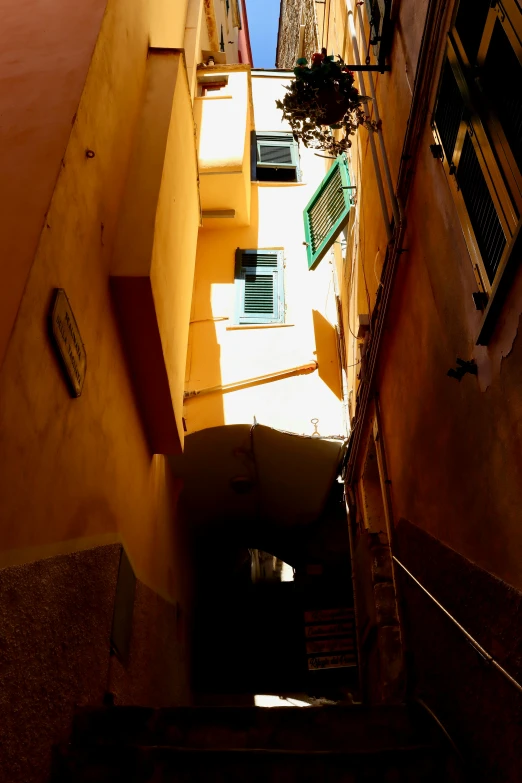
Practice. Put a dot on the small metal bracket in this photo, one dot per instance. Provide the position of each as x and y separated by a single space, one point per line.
462 368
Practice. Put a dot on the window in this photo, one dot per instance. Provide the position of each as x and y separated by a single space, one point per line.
477 124
236 14
275 158
259 287
380 27
327 212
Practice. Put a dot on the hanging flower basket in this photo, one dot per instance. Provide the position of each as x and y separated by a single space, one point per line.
321 99
334 105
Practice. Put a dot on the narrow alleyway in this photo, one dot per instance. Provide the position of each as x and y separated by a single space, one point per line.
261 392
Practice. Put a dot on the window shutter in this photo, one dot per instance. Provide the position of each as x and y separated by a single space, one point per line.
456 124
236 14
470 23
276 151
259 286
481 209
501 77
327 212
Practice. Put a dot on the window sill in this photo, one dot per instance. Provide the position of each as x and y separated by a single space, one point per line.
501 287
213 97
256 326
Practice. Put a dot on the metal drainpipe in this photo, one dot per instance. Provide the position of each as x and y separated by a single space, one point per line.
362 88
384 156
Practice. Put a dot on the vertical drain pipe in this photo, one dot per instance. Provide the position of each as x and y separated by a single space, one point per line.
362 88
384 156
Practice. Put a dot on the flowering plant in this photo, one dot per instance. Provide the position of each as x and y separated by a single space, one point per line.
320 99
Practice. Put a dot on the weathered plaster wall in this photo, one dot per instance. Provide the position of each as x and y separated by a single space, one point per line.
55 629
292 15
455 452
158 670
479 708
55 625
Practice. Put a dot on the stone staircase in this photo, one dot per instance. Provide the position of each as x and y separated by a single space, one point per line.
341 744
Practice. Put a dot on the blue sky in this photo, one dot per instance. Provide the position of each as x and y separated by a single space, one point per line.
263 20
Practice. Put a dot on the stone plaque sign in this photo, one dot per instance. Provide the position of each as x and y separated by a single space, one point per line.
332 629
328 615
330 638
329 646
331 662
67 339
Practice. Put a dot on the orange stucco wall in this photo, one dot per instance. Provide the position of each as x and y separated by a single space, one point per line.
45 52
455 452
77 472
453 449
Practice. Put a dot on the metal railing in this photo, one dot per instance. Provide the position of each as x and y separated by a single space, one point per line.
478 647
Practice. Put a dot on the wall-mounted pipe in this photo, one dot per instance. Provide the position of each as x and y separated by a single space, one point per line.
300 51
302 369
362 88
384 156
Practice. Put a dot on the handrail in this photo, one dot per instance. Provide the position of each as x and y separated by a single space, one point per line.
443 729
478 647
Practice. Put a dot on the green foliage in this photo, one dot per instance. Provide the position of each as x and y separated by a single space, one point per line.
322 99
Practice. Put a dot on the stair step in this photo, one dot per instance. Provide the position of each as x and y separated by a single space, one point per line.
309 728
124 764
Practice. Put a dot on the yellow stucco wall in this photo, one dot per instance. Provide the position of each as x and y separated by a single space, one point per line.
157 231
223 121
174 255
77 472
221 353
166 22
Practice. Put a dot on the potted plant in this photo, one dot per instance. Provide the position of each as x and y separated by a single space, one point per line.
321 99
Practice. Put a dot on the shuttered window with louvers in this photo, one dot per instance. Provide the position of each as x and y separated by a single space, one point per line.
274 154
259 286
456 123
477 122
327 212
275 157
481 209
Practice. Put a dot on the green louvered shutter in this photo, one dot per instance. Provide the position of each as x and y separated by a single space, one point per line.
327 212
453 125
259 286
